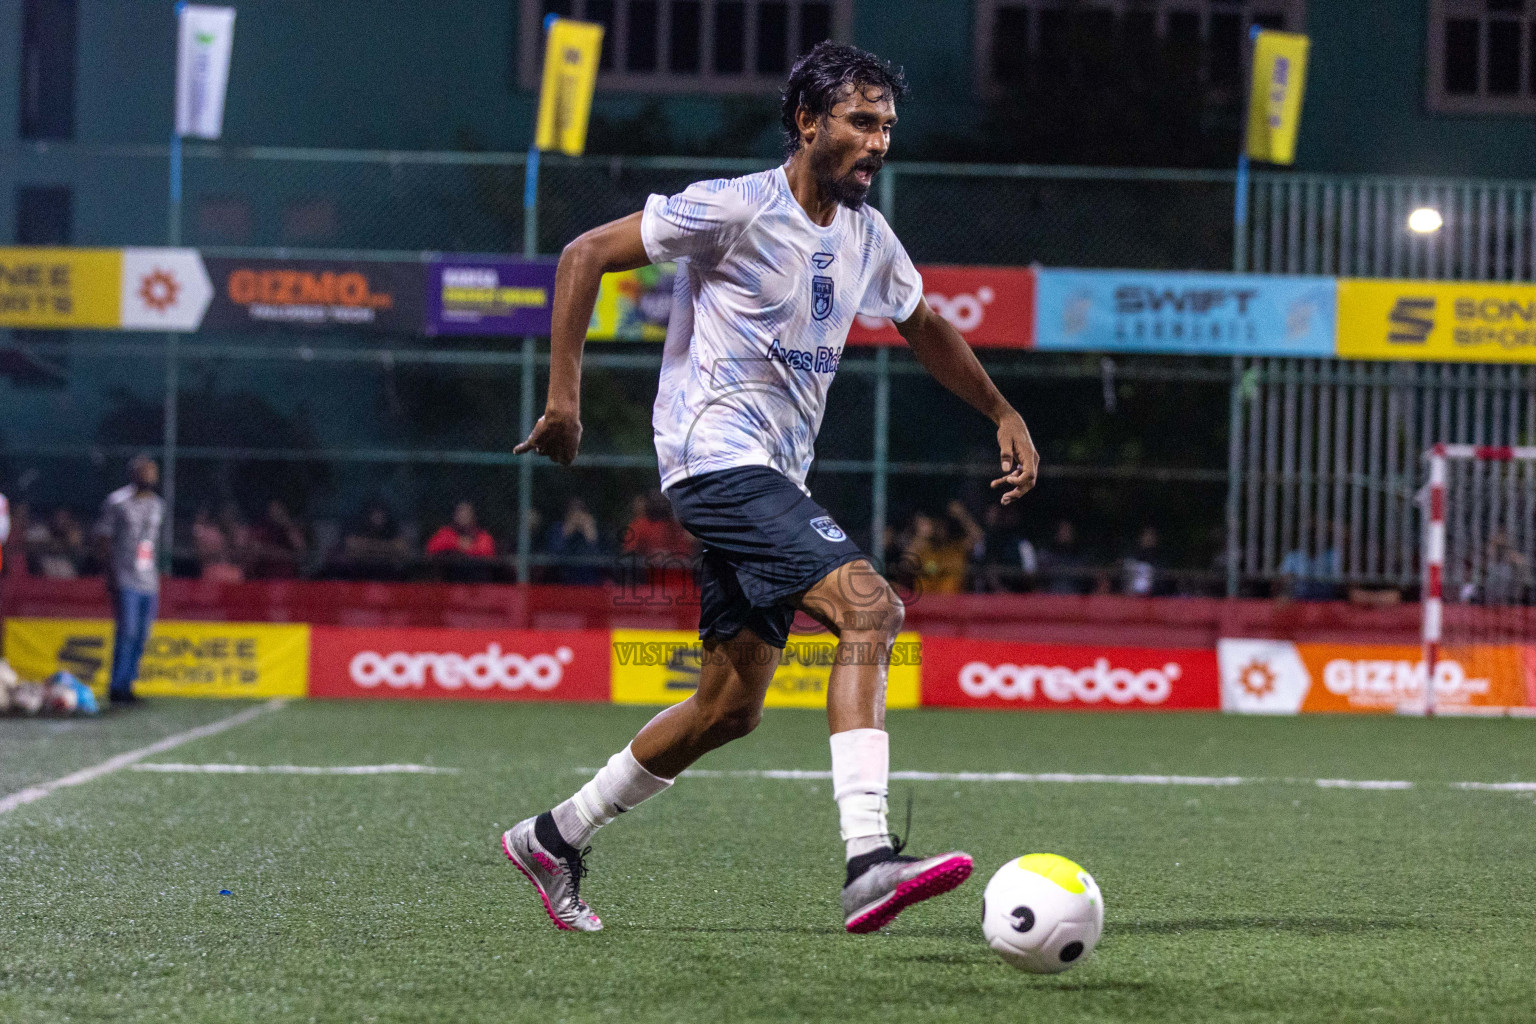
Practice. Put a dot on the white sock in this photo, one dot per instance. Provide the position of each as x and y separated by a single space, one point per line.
861 768
618 786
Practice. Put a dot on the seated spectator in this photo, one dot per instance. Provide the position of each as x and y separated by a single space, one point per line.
939 547
654 538
57 547
1005 560
463 537
1139 568
13 561
375 537
1313 578
1063 570
278 544
575 536
461 550
211 545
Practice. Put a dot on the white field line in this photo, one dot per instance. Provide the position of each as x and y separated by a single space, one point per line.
174 768
112 764
1117 780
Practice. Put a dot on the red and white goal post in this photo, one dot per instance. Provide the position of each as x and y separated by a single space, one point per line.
1479 580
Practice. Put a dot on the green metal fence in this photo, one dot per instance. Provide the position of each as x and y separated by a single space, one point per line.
1126 441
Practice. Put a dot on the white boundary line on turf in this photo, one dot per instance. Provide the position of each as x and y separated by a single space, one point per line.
1121 780
175 768
112 764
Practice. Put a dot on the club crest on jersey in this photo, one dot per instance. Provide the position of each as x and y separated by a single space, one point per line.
825 526
821 297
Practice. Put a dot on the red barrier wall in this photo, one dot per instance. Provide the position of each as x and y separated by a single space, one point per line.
1030 618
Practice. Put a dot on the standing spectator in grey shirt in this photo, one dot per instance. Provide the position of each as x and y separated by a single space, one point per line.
129 532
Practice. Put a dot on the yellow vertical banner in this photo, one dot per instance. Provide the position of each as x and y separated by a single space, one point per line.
571 52
1274 98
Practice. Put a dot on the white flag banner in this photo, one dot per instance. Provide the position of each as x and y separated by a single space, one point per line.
205 38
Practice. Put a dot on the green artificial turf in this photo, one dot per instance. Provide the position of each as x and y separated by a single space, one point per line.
386 898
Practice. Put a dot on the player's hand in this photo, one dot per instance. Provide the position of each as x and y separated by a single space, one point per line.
557 435
1020 461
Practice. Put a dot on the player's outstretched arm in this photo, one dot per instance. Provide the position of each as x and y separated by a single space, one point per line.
612 247
945 355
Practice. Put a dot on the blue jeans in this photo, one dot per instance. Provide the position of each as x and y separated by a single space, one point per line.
135 614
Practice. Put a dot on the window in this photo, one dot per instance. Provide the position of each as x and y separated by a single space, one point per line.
1017 39
1482 56
690 45
47 70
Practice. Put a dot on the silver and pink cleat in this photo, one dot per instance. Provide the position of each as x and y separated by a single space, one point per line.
873 898
555 867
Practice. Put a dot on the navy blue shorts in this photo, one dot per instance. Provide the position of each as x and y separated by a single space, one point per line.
764 540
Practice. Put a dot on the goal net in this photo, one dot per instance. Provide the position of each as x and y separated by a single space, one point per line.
1479 582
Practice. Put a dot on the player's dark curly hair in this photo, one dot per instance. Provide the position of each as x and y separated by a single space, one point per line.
818 78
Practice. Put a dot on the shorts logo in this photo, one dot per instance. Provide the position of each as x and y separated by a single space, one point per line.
821 296
828 529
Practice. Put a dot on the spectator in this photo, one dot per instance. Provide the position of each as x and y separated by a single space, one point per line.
1061 564
129 535
15 546
461 550
939 547
655 534
1005 560
575 536
462 537
278 543
210 543
375 547
1313 578
1139 569
58 547
376 537
655 539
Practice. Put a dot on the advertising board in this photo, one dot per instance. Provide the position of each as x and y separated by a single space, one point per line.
1454 321
992 307
357 295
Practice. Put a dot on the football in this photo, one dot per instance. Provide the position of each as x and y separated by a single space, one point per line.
1042 913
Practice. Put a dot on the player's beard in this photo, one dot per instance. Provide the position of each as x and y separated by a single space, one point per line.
844 188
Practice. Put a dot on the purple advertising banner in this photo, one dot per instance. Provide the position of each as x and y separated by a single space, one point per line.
490 296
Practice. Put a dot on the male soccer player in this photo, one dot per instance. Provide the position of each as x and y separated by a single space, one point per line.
772 268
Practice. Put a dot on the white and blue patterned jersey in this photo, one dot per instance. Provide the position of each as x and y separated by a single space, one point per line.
761 308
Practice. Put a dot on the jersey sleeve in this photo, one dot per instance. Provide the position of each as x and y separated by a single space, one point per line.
699 224
896 287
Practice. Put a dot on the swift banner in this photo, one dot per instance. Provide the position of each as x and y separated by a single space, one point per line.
459 664
1184 314
376 297
992 307
965 673
662 667
181 659
1278 677
1437 320
490 297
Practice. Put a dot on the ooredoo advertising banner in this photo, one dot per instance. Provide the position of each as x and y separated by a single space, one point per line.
375 297
1279 677
663 666
459 664
1437 320
490 297
993 307
964 673
181 659
1188 314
